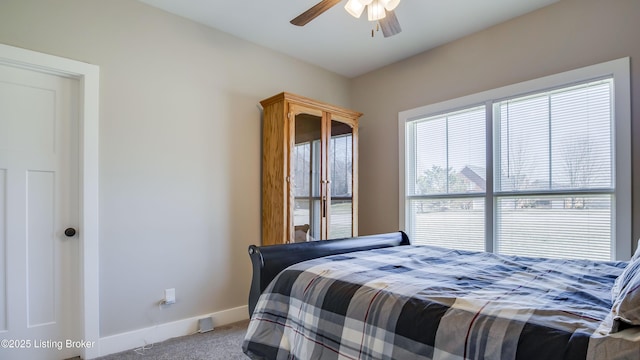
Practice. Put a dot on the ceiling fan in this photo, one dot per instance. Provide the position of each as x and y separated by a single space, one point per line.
377 10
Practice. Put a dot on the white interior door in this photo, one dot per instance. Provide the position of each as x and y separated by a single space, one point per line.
39 265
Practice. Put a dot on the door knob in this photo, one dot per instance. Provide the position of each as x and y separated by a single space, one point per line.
70 232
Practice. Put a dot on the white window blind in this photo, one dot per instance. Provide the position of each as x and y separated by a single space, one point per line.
554 190
540 168
447 182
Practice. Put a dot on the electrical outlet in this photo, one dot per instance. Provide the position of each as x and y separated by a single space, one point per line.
169 296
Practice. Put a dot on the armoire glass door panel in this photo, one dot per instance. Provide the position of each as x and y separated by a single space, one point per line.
341 225
340 164
306 164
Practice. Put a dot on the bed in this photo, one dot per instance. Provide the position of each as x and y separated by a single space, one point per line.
379 297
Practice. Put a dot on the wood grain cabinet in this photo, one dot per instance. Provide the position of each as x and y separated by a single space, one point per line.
309 170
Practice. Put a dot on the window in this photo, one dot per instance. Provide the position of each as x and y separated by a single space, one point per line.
540 168
446 184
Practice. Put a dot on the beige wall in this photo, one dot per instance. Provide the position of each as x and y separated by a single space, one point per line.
564 36
179 148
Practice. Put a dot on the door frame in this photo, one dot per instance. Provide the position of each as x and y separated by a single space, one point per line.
88 81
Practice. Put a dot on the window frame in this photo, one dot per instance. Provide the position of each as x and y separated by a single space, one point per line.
619 70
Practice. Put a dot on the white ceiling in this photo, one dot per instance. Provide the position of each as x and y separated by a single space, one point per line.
337 41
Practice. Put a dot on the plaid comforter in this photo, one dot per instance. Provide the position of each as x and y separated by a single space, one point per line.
421 302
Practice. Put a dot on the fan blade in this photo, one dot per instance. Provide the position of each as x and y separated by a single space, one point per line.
314 12
390 24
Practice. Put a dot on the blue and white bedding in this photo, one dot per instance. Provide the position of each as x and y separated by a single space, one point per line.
422 302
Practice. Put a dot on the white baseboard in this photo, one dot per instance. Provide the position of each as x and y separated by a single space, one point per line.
138 338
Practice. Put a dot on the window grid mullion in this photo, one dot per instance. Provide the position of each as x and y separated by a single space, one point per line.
550 129
490 221
446 146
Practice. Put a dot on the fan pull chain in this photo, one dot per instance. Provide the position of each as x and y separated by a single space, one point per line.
376 29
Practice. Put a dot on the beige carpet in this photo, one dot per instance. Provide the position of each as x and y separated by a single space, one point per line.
223 343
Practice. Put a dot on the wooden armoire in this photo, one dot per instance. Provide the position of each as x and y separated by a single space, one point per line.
309 170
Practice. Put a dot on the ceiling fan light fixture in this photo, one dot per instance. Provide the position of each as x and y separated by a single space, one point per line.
384 19
355 8
390 4
376 11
